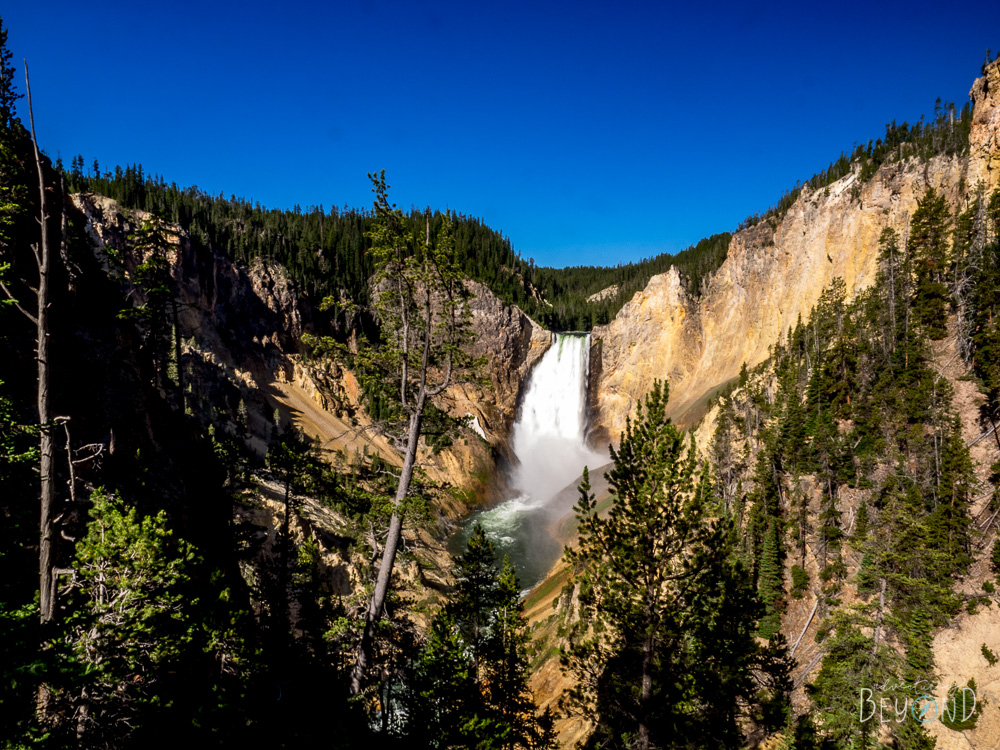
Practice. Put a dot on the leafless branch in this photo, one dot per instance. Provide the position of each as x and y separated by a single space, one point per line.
97 449
17 304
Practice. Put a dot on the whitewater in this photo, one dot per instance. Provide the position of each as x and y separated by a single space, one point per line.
549 443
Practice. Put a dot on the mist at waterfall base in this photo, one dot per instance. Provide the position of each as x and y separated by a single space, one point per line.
548 440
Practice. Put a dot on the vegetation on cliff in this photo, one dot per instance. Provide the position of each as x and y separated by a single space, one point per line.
851 405
174 619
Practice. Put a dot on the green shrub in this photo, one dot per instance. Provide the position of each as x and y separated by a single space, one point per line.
800 581
962 707
989 655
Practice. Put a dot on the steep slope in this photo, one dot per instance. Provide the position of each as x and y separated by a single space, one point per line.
774 274
958 649
241 326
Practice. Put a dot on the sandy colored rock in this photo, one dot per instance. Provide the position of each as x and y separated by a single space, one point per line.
959 657
984 140
242 324
605 293
773 275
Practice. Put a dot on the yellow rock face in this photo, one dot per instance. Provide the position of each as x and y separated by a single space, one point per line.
984 140
773 274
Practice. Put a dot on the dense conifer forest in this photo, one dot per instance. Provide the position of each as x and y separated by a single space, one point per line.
326 251
141 608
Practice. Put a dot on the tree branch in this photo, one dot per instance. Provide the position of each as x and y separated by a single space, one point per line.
444 383
17 304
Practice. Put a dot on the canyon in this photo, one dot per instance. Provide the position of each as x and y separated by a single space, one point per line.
773 276
244 324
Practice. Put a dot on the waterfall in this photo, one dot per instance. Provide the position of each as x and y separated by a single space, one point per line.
548 440
548 436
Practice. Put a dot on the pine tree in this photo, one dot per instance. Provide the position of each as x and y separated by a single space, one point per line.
664 650
830 530
724 455
475 594
299 467
422 308
771 582
470 680
792 432
154 304
855 657
985 313
929 244
138 641
861 526
949 522
908 581
443 697
509 702
8 91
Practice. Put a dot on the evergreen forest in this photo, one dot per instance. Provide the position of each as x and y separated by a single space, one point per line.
162 579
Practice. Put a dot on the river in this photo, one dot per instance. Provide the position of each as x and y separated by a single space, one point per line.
549 442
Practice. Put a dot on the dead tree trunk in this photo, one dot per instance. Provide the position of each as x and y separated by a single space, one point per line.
43 257
43 260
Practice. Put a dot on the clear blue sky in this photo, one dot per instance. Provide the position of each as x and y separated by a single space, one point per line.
586 132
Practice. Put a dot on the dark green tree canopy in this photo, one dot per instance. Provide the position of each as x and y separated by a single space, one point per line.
664 649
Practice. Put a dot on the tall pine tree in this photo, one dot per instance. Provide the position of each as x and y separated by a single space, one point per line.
929 235
664 650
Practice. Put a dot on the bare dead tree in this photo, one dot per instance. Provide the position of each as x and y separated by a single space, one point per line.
43 259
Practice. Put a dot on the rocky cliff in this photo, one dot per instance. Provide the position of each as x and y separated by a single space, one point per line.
511 343
984 140
774 273
241 325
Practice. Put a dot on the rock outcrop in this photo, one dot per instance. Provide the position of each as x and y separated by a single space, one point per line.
242 324
984 140
605 293
773 274
511 343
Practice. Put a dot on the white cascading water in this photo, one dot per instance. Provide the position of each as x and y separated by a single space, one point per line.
549 441
548 437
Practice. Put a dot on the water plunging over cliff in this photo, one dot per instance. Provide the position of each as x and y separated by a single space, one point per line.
549 442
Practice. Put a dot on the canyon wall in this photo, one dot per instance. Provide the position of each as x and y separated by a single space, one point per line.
241 325
511 343
774 273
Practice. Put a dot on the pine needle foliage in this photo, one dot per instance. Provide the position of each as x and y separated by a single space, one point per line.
664 650
470 680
